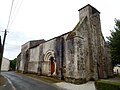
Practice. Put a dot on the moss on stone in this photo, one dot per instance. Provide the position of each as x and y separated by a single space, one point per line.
71 35
80 81
75 81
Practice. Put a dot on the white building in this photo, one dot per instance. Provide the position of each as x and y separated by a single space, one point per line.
5 64
117 69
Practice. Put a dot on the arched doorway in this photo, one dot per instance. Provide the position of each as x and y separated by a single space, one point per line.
50 57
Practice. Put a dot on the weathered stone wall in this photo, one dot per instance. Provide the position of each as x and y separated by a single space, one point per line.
34 59
41 59
109 61
95 43
60 57
86 45
23 61
25 54
98 43
77 56
53 48
71 62
47 46
82 48
21 66
18 60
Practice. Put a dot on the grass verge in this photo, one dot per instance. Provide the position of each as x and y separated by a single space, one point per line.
43 78
107 85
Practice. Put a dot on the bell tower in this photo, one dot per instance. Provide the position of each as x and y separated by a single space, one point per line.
87 10
95 42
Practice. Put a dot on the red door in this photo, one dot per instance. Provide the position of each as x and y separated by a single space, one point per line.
52 67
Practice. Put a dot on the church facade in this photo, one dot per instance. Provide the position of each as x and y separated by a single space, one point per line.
77 56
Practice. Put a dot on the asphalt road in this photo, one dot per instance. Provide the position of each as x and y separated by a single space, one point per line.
20 82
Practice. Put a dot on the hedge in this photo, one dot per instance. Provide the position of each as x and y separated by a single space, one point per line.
107 85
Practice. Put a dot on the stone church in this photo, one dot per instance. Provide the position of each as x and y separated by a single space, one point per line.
77 56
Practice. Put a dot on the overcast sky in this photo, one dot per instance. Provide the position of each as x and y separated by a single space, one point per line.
45 19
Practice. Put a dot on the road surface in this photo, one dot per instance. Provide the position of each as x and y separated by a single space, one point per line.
20 82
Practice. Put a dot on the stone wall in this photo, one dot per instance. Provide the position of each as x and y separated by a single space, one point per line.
41 59
48 51
25 54
82 48
34 59
18 60
60 57
95 43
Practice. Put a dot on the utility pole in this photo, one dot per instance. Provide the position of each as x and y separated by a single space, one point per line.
2 49
2 45
0 53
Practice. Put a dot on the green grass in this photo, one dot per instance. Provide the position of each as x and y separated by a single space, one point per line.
107 85
118 76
